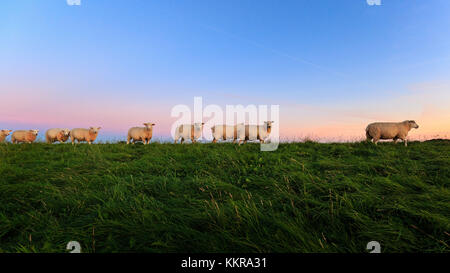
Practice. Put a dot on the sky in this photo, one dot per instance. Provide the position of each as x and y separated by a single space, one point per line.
331 66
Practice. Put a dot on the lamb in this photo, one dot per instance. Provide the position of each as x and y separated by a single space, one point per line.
254 132
81 134
143 134
189 131
225 132
4 134
390 130
28 136
57 134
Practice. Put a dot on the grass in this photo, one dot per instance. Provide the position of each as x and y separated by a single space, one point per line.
304 197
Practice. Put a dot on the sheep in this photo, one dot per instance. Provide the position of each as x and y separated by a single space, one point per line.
81 134
27 136
390 130
143 134
189 131
225 132
254 132
57 134
4 134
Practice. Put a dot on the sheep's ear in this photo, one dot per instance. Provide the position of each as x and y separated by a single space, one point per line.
91 127
153 124
203 123
99 128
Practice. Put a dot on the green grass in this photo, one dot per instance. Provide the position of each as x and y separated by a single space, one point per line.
304 197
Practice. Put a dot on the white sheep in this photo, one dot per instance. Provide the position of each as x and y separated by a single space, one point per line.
254 132
189 131
225 132
57 134
4 134
81 134
390 130
28 136
143 134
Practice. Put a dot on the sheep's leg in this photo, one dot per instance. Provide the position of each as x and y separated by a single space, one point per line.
406 142
214 140
128 140
375 140
182 140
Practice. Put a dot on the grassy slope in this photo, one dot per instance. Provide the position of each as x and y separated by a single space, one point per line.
304 197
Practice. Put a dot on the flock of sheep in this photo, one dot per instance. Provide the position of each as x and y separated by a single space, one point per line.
243 133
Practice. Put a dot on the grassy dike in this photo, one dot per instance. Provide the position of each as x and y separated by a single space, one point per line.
304 197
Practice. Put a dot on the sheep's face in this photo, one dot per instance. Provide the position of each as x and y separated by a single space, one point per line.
149 125
5 132
413 124
199 125
268 124
94 130
34 132
66 132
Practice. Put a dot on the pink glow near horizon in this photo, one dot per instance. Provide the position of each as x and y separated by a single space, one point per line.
334 123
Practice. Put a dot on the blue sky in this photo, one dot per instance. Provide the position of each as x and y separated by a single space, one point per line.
156 54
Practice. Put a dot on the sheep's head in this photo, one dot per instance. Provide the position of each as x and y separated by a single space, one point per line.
34 132
94 130
149 125
66 132
5 132
199 125
268 124
413 124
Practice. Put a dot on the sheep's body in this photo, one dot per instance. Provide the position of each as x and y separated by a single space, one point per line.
189 131
390 130
81 134
225 132
57 134
254 132
4 134
143 134
27 136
